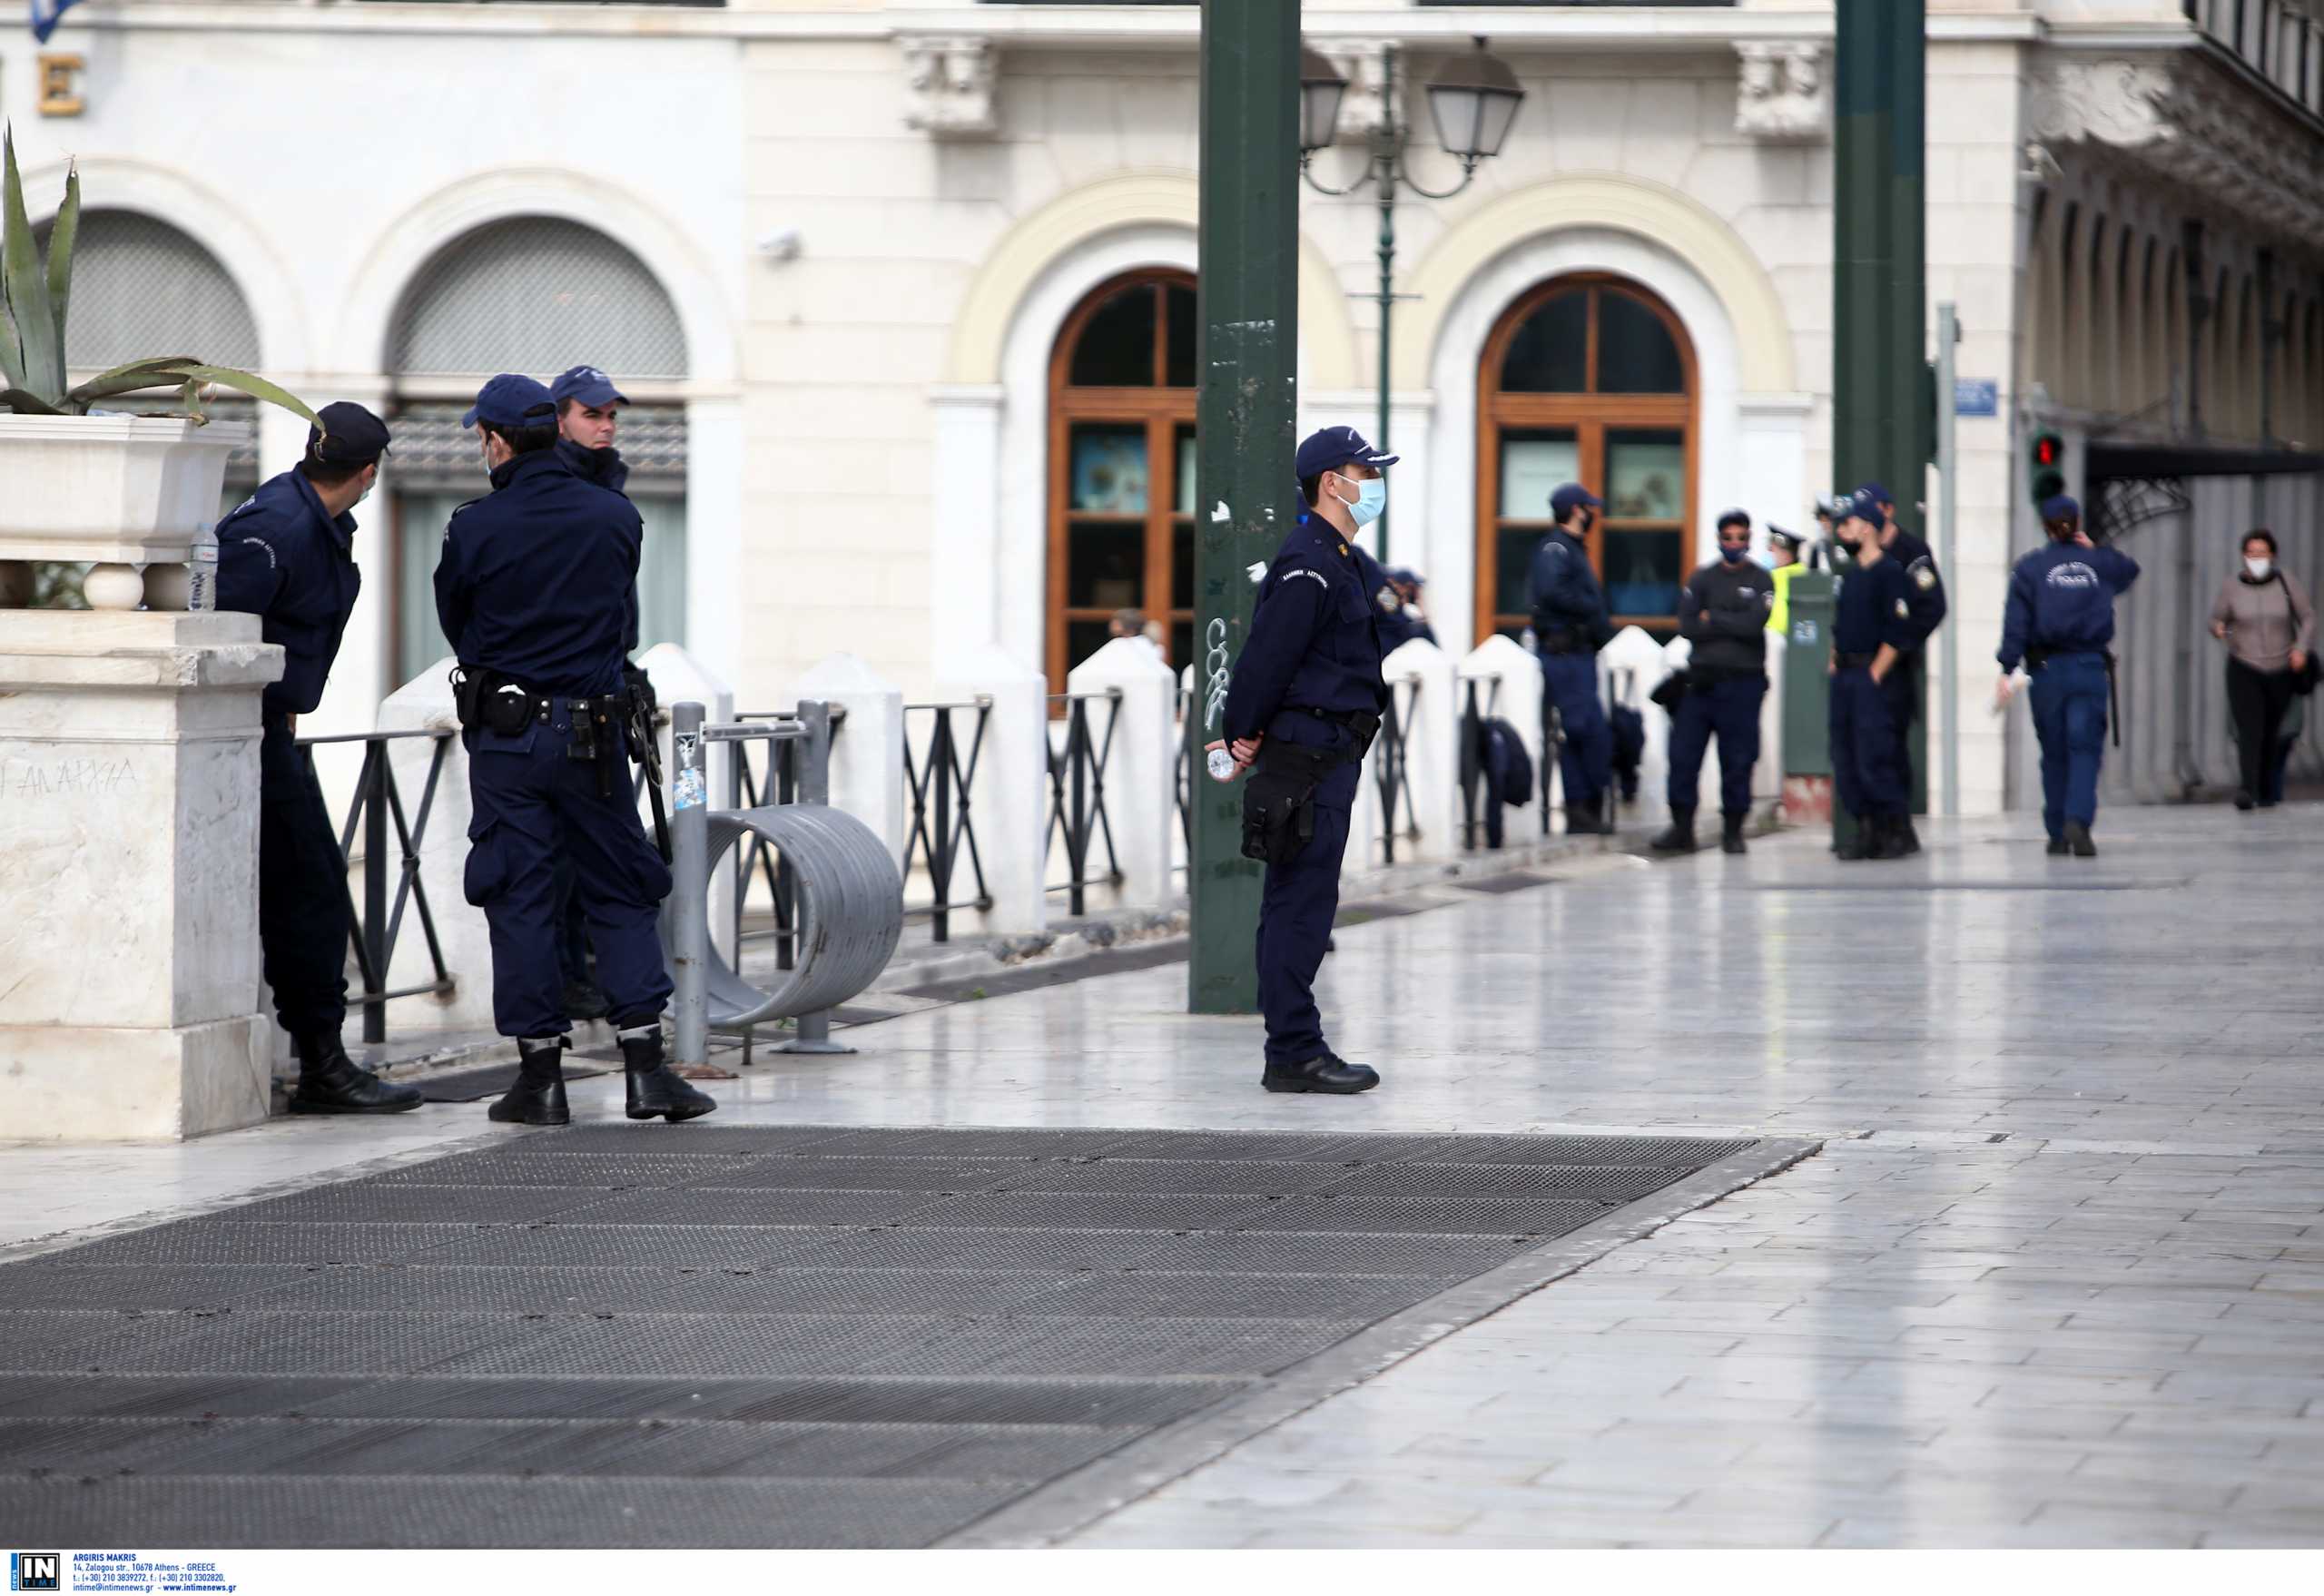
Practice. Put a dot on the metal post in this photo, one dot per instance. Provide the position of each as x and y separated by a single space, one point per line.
1948 470
375 888
1249 249
1388 177
813 765
690 888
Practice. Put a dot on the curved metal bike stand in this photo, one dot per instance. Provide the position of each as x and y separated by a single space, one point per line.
851 914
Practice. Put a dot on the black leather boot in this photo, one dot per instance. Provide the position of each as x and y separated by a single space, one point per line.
2078 839
1887 838
1679 836
1860 842
1325 1072
330 1082
1908 837
655 1090
538 1095
1730 833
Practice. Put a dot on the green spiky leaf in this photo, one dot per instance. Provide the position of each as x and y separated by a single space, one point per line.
156 370
255 387
104 387
23 284
61 237
25 403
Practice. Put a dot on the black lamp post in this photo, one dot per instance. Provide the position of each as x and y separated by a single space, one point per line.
1474 100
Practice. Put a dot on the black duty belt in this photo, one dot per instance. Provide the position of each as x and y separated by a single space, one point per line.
1849 662
1360 725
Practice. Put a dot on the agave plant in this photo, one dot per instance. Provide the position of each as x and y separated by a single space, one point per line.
33 296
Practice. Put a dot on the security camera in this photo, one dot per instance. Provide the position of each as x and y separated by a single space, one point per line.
782 244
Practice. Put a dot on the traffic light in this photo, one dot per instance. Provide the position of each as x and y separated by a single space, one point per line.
2047 479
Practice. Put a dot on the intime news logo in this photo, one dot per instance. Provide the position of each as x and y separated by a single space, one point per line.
35 1570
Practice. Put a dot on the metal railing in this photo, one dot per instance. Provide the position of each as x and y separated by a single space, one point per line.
1078 795
1476 784
1392 770
944 830
375 927
748 787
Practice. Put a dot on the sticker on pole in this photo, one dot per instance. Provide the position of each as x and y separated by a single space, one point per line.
687 791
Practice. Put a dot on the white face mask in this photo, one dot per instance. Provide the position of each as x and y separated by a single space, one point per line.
2259 565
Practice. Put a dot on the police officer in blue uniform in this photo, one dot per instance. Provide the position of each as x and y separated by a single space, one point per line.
1872 631
588 420
1569 626
1302 706
2059 620
1723 613
287 554
534 589
1927 597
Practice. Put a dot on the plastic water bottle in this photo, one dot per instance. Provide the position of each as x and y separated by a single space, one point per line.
202 569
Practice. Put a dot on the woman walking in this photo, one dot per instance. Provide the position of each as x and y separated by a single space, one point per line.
2269 626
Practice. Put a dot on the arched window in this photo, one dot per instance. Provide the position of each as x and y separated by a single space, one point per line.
535 295
142 288
1588 379
1121 488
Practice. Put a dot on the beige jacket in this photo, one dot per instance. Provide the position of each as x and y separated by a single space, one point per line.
2266 620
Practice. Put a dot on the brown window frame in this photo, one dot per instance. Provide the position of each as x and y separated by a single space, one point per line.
1162 410
1590 415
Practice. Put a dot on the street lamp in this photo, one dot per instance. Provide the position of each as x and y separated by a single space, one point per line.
1472 101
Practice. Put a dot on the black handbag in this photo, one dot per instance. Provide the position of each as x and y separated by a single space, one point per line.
2303 680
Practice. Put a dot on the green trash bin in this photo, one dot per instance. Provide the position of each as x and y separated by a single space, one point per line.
1806 690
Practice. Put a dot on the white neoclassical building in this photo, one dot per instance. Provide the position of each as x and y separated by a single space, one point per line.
904 293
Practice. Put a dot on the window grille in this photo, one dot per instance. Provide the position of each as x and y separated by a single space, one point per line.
537 295
141 287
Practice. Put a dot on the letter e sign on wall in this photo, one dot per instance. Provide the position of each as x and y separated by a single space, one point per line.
58 96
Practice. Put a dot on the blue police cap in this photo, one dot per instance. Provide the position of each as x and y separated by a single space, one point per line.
350 435
1335 446
1860 506
588 386
1873 493
1563 501
1734 518
2060 506
510 401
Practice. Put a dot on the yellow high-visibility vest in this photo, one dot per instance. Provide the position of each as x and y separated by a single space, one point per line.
1780 617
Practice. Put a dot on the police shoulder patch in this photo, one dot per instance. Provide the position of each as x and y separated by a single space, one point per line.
1387 600
1925 577
1903 608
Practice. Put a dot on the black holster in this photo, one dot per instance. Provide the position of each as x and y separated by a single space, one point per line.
1279 799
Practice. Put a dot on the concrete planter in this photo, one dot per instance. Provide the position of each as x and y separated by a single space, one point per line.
121 491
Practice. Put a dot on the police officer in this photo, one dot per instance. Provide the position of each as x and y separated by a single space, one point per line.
588 419
1570 625
1872 629
1400 619
287 554
2059 620
1927 597
1723 612
533 589
1302 706
1784 550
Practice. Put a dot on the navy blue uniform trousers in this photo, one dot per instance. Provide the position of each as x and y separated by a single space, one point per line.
2069 699
1867 767
531 802
1728 708
1587 759
301 890
1296 905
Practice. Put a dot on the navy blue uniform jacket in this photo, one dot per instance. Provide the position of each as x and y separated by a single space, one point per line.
606 469
1872 606
282 559
1910 555
538 578
2062 599
1565 592
1314 639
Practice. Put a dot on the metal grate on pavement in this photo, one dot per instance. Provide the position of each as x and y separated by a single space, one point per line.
778 1336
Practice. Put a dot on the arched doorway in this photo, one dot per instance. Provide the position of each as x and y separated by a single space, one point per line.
141 287
1587 378
1121 466
537 295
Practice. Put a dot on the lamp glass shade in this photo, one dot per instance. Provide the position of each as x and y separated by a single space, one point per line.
1321 89
1473 103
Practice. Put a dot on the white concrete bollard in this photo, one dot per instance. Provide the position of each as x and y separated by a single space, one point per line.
1009 804
1431 748
1141 767
425 703
1767 777
1515 696
1638 664
868 750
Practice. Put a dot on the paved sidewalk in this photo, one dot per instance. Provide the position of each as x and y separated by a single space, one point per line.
2057 1279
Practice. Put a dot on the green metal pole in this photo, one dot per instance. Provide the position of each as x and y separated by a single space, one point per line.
1910 403
1386 173
1249 249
